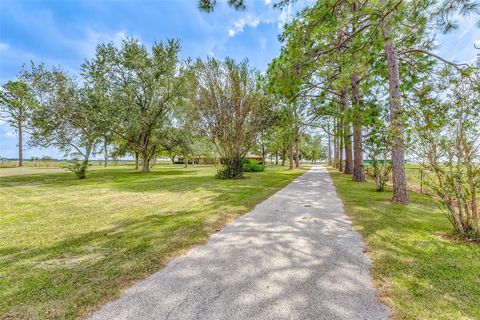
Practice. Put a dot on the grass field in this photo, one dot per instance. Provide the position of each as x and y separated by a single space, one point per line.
59 164
417 178
419 272
68 245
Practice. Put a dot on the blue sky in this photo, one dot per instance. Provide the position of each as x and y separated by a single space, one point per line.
65 32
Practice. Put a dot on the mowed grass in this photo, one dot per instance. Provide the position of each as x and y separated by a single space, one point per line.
69 245
419 272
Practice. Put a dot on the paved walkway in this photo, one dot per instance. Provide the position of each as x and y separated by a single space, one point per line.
295 256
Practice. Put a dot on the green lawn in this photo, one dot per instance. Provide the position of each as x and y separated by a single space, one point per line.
420 274
68 245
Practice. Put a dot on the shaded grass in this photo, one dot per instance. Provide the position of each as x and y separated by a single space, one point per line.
68 245
419 272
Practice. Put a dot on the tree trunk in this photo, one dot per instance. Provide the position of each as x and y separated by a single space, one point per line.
335 143
20 144
297 152
154 162
105 151
276 158
264 152
82 172
136 160
340 145
290 156
347 141
329 145
358 169
399 177
145 162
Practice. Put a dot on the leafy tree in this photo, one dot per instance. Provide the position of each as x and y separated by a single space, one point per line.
350 38
142 87
231 108
312 147
446 137
66 115
16 105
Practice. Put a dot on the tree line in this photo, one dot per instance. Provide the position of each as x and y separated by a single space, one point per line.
131 100
375 82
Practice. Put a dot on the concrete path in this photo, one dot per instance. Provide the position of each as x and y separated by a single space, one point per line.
295 256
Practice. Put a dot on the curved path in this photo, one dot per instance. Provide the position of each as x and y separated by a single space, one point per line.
295 256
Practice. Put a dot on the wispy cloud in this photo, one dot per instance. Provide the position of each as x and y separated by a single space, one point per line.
92 38
11 133
240 24
3 46
285 16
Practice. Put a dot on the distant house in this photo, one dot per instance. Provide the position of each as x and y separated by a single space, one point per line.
214 160
199 160
253 157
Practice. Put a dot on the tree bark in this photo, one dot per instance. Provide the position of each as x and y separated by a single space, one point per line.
358 169
347 141
340 145
290 156
264 155
145 162
136 160
82 172
297 152
105 151
20 143
153 163
399 177
335 143
329 144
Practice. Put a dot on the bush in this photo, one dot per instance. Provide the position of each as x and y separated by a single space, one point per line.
232 168
252 166
227 173
78 167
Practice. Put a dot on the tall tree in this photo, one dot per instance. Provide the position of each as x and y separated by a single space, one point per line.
143 87
15 107
231 108
66 115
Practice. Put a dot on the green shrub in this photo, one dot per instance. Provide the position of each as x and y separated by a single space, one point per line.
252 166
79 168
227 173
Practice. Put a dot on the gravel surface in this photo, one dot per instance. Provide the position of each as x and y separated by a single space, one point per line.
295 256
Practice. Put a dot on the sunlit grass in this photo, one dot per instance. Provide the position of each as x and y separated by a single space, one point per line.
68 245
420 274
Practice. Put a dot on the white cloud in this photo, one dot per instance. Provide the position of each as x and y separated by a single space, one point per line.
3 46
285 16
240 24
88 45
267 2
